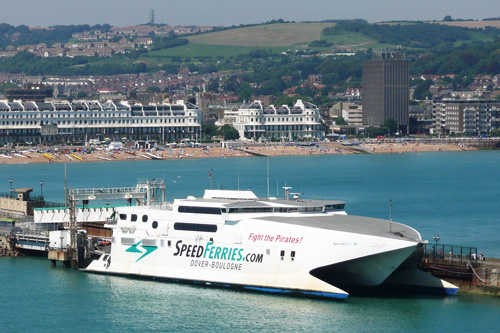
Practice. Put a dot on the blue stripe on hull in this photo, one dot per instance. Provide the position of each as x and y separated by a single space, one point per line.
451 291
299 292
428 290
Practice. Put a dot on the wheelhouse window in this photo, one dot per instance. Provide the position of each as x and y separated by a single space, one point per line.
335 207
195 227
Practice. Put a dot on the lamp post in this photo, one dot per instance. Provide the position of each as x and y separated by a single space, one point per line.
436 239
11 181
41 189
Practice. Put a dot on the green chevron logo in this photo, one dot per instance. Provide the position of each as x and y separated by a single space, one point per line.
134 249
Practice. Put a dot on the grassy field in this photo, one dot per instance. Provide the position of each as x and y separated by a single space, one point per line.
269 35
276 37
470 24
353 40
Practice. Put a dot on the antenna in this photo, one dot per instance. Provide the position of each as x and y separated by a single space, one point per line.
287 192
390 215
210 174
268 176
65 186
152 16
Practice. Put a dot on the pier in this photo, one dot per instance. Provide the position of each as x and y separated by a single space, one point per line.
464 267
32 240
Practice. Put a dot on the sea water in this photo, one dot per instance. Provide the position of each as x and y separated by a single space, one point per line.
451 194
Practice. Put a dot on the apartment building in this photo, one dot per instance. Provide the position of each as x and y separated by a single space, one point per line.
254 121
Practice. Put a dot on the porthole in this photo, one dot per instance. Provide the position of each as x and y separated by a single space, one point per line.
144 218
133 217
155 224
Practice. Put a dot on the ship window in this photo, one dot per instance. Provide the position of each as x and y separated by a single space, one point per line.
133 217
251 210
155 224
144 218
334 207
195 227
199 210
169 243
123 216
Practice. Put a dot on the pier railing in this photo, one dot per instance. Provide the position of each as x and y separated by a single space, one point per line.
452 255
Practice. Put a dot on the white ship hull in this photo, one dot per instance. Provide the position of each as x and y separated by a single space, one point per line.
313 254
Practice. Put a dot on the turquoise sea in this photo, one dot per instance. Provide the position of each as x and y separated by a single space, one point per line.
453 194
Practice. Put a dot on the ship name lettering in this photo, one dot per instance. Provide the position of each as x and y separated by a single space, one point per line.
193 251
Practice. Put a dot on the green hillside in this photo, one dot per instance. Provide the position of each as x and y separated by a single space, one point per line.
268 35
276 37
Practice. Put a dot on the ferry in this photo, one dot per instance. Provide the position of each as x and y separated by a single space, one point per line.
290 246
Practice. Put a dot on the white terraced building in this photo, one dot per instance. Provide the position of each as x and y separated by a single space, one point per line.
78 120
303 120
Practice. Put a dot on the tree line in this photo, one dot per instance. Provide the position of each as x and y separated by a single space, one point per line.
23 35
416 35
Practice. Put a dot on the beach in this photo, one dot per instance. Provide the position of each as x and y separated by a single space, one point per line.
69 154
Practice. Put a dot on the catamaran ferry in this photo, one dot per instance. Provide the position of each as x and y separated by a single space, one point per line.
291 246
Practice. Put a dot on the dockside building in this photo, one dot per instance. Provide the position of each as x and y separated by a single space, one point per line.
78 120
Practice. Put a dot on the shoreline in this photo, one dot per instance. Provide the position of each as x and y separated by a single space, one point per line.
91 154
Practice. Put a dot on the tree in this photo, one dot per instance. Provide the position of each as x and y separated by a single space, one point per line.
81 95
7 86
447 18
153 89
209 130
213 86
422 90
229 132
373 132
340 121
246 92
290 101
391 126
495 133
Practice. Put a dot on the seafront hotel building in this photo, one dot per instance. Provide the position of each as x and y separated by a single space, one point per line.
78 120
254 121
